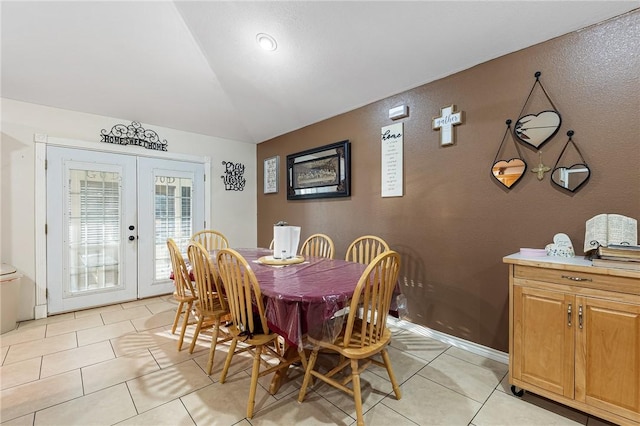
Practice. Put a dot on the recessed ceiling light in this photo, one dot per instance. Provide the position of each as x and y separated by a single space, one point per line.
266 42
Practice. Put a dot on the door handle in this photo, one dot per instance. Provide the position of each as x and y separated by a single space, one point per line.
569 315
131 238
131 227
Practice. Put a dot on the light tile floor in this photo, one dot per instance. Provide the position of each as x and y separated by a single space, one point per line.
119 365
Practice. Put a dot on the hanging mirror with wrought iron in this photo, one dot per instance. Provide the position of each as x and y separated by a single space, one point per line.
571 171
537 129
508 172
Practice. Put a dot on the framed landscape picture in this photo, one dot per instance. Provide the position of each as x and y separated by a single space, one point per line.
322 172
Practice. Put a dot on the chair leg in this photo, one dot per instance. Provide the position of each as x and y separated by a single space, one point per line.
184 325
392 377
357 396
212 351
177 318
279 345
303 359
307 374
227 362
196 333
255 371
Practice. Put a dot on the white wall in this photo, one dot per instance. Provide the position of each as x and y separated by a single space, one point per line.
233 212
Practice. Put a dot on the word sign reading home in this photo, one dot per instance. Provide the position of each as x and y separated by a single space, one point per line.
445 123
133 134
392 157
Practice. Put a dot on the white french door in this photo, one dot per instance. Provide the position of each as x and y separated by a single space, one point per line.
171 195
108 218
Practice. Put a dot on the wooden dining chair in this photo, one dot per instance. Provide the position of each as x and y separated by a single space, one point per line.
318 245
364 249
280 343
210 309
365 333
249 324
210 239
183 293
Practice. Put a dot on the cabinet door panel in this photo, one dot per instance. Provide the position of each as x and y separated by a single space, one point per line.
543 339
608 356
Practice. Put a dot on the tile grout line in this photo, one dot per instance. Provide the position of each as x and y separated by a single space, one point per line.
291 395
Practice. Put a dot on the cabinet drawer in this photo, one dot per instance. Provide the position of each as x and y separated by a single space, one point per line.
581 279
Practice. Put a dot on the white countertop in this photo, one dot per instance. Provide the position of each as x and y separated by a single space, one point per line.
576 260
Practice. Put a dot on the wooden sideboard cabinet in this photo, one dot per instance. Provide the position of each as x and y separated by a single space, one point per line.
574 334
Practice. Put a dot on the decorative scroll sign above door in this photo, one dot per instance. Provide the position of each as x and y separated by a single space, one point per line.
445 123
133 134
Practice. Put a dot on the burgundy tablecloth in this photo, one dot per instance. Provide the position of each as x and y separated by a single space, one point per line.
302 298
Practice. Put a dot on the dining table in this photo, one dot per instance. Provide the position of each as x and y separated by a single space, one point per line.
300 298
305 298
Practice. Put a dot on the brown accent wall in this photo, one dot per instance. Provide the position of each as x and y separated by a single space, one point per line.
455 222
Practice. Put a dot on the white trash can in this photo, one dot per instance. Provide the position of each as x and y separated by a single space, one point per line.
9 297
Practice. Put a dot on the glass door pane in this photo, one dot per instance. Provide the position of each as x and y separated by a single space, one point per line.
94 201
173 207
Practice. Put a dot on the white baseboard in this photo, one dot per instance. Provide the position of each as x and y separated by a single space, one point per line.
472 347
40 311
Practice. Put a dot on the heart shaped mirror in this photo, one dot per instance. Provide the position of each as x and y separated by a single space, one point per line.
570 178
509 172
536 129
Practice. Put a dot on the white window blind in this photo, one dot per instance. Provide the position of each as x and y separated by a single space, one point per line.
173 219
94 202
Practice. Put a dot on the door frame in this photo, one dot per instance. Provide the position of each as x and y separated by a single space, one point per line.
40 202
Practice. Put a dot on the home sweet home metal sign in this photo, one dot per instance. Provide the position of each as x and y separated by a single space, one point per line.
133 134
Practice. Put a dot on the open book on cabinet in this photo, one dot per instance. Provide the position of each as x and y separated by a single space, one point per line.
604 230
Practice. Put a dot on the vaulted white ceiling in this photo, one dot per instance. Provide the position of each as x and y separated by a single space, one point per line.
196 66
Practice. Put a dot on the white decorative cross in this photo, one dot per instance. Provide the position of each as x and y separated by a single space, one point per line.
445 123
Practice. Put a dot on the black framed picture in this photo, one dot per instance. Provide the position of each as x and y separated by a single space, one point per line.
322 172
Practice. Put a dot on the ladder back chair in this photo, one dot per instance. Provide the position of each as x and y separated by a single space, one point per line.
365 333
184 292
210 239
210 309
249 325
318 245
364 249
